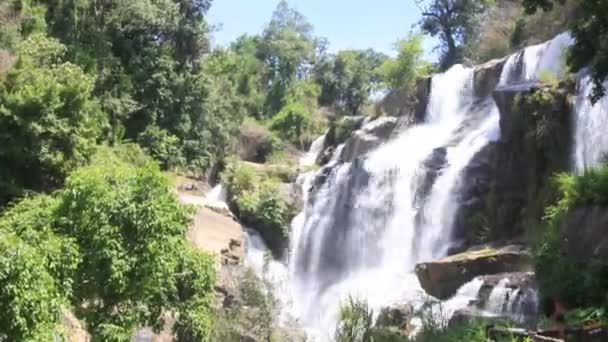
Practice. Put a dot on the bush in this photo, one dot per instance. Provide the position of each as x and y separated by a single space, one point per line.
264 209
31 299
294 123
162 146
256 142
112 244
355 322
259 203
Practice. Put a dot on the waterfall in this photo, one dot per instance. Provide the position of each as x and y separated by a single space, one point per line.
218 194
590 127
518 304
364 230
529 64
367 223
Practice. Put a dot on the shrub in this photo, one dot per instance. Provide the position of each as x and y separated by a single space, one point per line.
355 322
162 146
112 244
256 142
295 124
259 202
265 209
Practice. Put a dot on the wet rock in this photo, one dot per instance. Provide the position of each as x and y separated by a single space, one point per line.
486 76
585 234
293 195
368 138
442 278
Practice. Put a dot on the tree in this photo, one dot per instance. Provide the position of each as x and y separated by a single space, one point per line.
49 120
112 244
288 49
402 71
348 78
452 21
590 32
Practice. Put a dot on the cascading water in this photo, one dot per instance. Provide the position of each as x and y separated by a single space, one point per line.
368 223
590 127
517 304
364 230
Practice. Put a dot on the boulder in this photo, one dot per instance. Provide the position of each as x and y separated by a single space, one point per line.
487 76
369 137
442 278
585 234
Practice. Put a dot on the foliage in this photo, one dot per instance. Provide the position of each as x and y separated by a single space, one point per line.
348 78
112 244
408 66
162 146
130 229
252 315
453 22
258 198
293 123
30 298
37 268
560 276
355 322
265 209
288 49
589 32
50 121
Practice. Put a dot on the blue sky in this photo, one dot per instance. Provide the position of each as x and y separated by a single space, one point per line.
356 24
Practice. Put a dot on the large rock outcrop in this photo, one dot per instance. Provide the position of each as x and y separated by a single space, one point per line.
487 76
508 181
442 278
585 234
367 138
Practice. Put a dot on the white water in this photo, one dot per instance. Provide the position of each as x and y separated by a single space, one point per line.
514 303
529 64
364 229
590 127
218 193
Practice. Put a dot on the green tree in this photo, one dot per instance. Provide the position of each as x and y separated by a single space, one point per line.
452 21
288 48
402 71
37 269
135 265
49 119
348 78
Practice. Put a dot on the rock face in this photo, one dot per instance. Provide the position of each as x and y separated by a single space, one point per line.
585 234
508 181
409 106
368 138
486 77
442 278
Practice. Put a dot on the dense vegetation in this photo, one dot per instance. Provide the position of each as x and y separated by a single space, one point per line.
98 98
111 245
